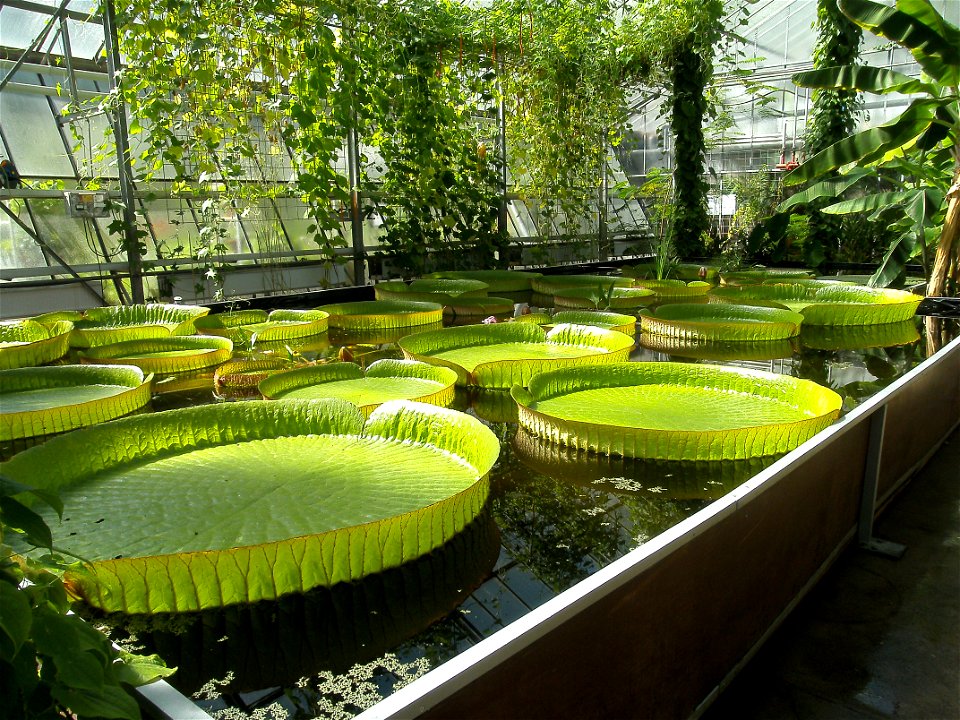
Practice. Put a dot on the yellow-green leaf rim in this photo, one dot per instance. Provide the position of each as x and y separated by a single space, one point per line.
741 323
28 343
375 315
164 355
675 411
498 281
106 325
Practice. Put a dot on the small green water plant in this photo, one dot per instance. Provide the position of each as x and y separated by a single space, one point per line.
27 343
405 481
675 411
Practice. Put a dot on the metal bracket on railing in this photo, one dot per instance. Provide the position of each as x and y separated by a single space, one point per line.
868 497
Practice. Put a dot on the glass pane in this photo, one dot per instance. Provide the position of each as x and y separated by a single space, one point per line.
19 28
17 248
35 144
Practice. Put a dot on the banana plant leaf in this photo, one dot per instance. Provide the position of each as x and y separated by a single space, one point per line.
378 315
675 411
663 479
758 277
612 297
859 337
383 380
498 281
724 350
106 325
216 505
827 304
40 401
429 290
230 324
28 343
674 289
163 355
745 323
478 306
550 284
609 320
505 354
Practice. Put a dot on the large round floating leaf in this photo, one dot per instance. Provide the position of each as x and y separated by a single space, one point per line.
378 315
429 290
610 320
675 289
859 337
746 323
675 411
498 281
233 503
611 297
759 276
27 343
550 284
501 355
282 325
248 372
106 325
679 271
467 306
383 380
720 349
44 400
232 324
164 355
827 304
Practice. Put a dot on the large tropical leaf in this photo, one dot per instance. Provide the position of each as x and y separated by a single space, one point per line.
164 355
864 78
827 303
615 298
610 320
549 284
829 188
377 315
675 411
430 290
383 380
27 343
44 400
743 323
675 289
230 324
504 354
498 281
105 325
276 497
283 325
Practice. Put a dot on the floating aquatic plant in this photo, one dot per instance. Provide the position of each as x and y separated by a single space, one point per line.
27 343
745 323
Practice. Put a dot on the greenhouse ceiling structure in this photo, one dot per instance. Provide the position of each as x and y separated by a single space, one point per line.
218 208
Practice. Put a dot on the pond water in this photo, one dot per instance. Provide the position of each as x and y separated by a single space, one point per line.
554 517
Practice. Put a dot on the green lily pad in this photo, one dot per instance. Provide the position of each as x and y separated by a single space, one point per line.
613 297
238 502
45 400
383 380
675 289
745 323
498 281
164 355
758 276
478 306
248 372
107 325
378 315
427 290
28 343
675 411
719 349
610 320
679 271
282 325
859 337
230 324
501 355
550 284
827 304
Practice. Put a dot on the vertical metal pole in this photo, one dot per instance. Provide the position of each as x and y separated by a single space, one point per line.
868 497
356 221
502 122
603 252
127 196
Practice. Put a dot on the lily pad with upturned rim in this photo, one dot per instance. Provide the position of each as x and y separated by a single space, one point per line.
501 355
614 298
45 400
827 304
28 343
675 411
230 324
610 320
276 497
164 355
107 325
427 290
282 325
383 380
378 315
721 350
550 284
757 276
675 289
498 281
746 323
478 306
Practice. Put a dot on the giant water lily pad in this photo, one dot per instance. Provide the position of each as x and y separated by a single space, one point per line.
233 503
745 323
550 284
727 350
505 354
498 281
378 315
231 324
44 400
283 325
678 271
757 276
27 343
859 337
473 307
106 325
615 298
827 304
383 380
610 320
672 290
675 411
164 355
430 290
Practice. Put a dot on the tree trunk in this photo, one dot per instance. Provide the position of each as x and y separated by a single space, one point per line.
948 248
